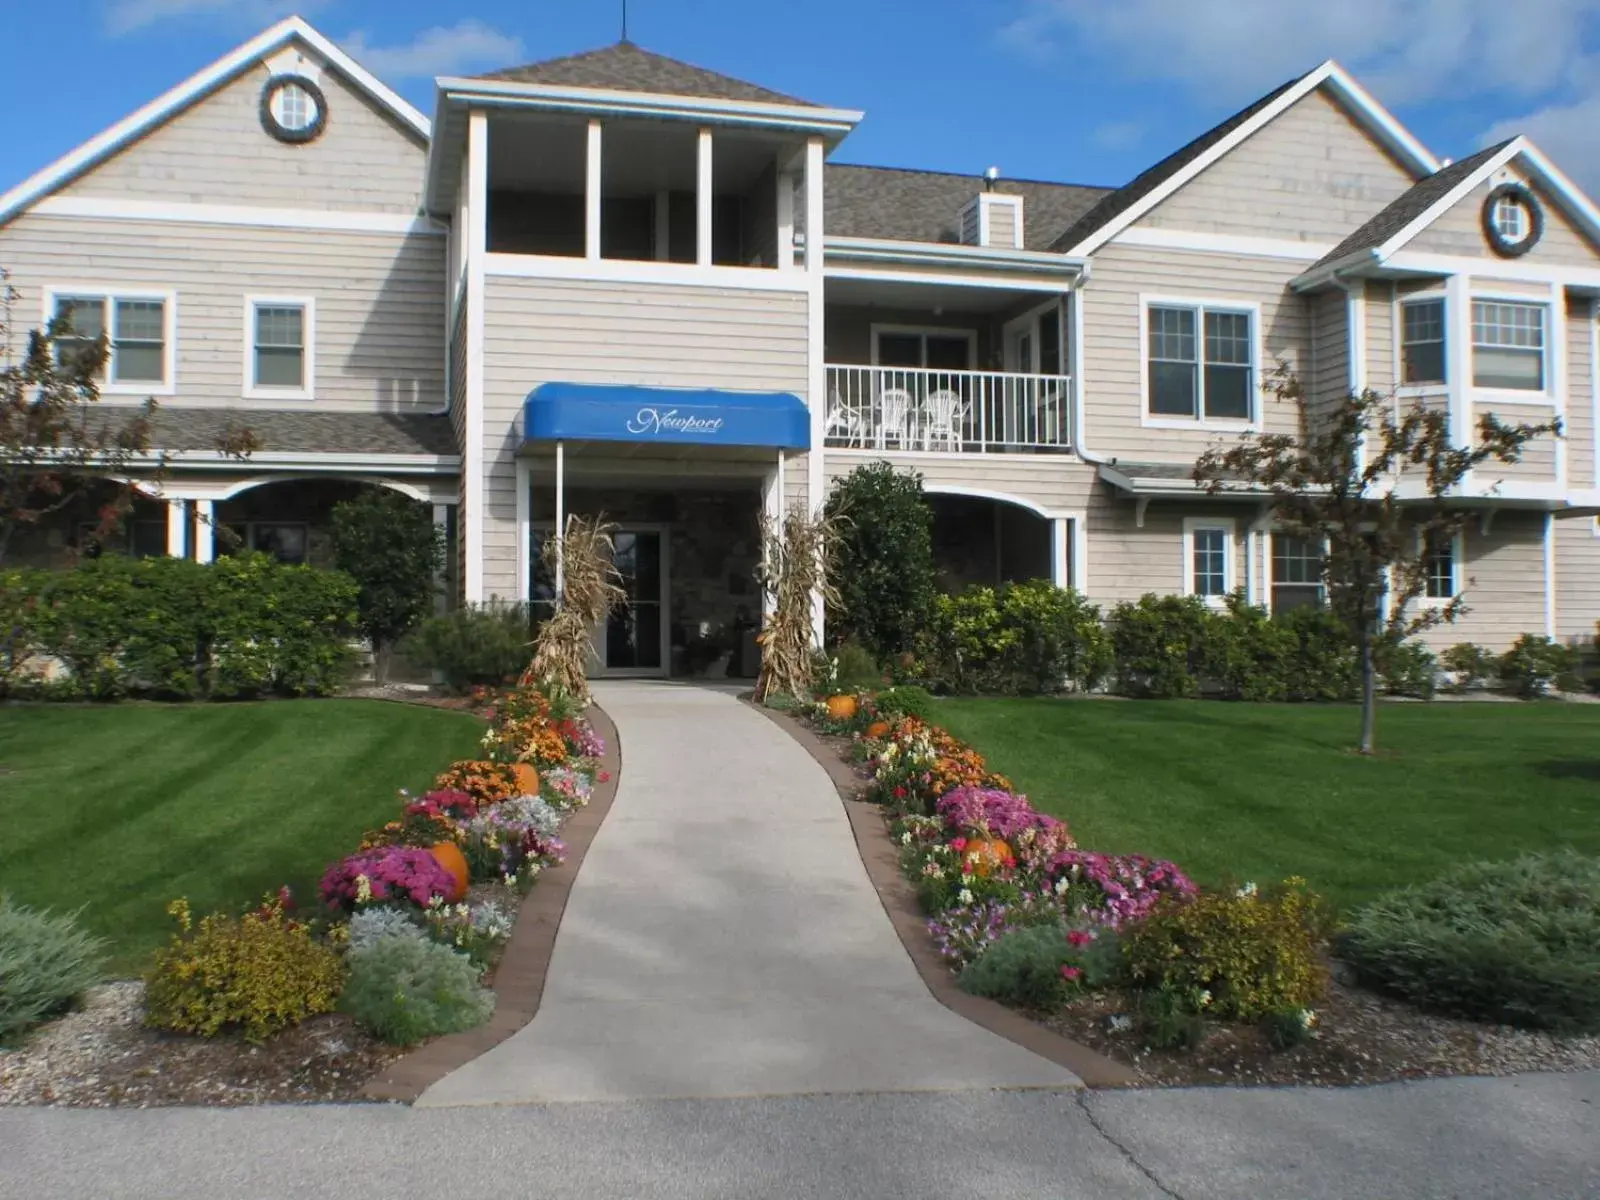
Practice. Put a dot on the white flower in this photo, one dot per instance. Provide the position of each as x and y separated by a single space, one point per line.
1063 885
1205 999
964 895
1308 1018
1246 891
905 838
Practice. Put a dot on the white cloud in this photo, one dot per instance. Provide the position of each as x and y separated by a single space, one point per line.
1565 132
463 46
130 16
1409 50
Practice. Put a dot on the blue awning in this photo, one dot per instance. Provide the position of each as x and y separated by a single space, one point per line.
575 412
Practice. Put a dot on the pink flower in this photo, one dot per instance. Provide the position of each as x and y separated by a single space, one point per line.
1079 938
958 844
1070 974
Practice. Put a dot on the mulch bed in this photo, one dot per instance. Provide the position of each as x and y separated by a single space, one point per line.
1361 1038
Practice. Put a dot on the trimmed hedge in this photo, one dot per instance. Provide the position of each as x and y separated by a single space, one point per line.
169 628
1515 941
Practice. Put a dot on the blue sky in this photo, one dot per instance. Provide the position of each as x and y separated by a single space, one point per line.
1086 91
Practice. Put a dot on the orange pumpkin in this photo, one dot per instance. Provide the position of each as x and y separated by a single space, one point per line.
986 855
841 708
448 855
527 779
878 729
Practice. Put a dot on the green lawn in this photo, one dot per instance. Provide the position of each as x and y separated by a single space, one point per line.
120 809
1238 791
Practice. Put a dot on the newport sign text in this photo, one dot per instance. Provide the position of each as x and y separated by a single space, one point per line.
651 422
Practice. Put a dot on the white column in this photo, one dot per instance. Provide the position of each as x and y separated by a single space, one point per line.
592 189
177 529
785 221
1060 553
663 216
817 373
1551 612
561 522
470 521
702 196
205 530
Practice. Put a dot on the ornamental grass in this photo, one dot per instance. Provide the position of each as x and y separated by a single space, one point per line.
584 559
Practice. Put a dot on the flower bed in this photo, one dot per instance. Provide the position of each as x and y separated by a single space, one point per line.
407 929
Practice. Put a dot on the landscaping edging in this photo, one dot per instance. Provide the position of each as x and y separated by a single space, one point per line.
520 977
899 902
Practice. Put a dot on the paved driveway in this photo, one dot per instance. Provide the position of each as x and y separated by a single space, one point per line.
723 940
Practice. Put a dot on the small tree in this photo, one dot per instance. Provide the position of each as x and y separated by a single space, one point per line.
55 449
885 573
1374 487
390 546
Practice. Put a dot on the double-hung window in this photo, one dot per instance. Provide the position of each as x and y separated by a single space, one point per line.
1443 570
1296 572
1201 362
278 349
1508 345
1422 343
1208 558
137 332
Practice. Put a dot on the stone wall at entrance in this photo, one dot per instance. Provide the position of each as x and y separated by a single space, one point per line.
715 546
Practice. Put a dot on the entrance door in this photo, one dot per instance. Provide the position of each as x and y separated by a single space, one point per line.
634 641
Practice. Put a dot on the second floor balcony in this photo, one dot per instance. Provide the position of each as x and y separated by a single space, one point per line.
956 412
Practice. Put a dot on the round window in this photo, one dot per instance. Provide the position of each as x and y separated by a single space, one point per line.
293 109
1512 220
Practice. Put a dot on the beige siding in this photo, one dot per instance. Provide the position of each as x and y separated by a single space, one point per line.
1460 231
796 482
1538 461
379 303
847 336
1126 562
1056 484
1003 225
1504 581
218 153
538 331
1383 367
1577 577
1312 175
1580 430
1115 361
1329 377
458 371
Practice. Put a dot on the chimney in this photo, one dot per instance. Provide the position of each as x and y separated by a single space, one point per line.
992 218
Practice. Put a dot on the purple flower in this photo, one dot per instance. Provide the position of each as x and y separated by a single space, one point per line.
393 873
990 812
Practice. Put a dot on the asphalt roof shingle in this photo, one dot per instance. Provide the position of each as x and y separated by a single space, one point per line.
1409 206
625 67
1125 197
925 206
306 432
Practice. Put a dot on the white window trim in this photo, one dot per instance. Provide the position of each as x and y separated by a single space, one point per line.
1230 576
1028 322
1201 305
1414 390
112 293
923 331
254 391
1458 563
1493 397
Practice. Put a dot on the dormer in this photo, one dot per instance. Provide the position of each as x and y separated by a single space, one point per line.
993 218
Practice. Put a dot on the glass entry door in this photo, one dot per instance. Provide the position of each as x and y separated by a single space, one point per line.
634 639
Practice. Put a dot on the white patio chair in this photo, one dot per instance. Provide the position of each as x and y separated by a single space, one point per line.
894 416
945 414
844 421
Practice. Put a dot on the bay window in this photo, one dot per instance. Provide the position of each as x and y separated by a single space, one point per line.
1422 342
1508 345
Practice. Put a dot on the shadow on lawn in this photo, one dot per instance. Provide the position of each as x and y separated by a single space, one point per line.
1587 768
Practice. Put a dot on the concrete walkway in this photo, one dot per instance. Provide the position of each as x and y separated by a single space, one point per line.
723 940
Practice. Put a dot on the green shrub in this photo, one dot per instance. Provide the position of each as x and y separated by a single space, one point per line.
854 668
1249 952
1169 1018
475 644
405 990
1471 666
1323 664
388 543
1289 1027
1534 664
1408 669
906 701
1025 966
884 565
260 974
46 962
1025 638
169 628
1159 645
1514 941
1246 654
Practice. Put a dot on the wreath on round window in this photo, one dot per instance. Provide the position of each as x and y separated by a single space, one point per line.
1498 242
293 135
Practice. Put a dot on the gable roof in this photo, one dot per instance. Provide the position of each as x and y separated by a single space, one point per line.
1409 206
1392 229
196 88
925 206
1130 202
625 67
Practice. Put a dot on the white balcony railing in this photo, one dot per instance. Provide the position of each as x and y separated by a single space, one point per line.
960 412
